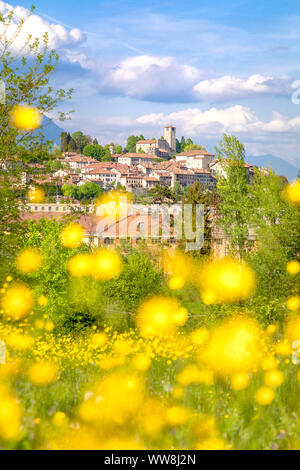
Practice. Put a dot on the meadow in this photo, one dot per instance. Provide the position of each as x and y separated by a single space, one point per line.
194 368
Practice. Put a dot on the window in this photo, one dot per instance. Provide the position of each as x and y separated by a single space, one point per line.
108 241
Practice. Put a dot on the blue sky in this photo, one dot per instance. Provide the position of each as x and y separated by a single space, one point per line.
207 67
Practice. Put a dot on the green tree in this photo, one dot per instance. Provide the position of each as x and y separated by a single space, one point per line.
64 141
276 225
94 151
194 147
26 74
118 149
131 142
80 141
195 195
70 190
72 146
178 146
233 189
162 194
138 279
182 144
89 191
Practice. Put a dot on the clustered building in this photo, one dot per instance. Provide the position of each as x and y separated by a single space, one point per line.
154 163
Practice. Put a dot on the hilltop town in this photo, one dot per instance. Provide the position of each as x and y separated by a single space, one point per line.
155 162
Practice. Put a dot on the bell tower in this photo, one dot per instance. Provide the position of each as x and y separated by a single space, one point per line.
170 137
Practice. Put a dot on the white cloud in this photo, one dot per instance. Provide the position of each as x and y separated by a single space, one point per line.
59 36
151 78
228 87
234 119
162 79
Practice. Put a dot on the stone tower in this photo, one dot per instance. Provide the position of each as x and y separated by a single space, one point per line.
112 148
170 137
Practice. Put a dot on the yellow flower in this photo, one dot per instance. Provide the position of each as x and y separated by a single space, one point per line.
80 265
226 280
43 373
235 346
293 267
72 235
239 381
273 378
177 392
176 282
264 396
36 195
99 339
19 342
59 419
292 192
17 301
25 118
271 329
199 336
43 301
107 264
213 444
160 315
142 362
176 415
114 204
10 415
29 261
293 303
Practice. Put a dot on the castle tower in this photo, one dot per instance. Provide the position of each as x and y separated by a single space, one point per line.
170 137
112 148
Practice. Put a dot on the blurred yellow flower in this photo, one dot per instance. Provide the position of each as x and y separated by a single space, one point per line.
60 418
43 301
43 373
292 192
17 301
199 336
176 415
29 261
19 341
239 381
25 118
35 195
273 378
114 204
99 339
235 346
10 415
226 280
107 264
293 267
176 282
80 265
160 315
293 303
72 236
142 362
264 395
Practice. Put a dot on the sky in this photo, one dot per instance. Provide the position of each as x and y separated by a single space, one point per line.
204 66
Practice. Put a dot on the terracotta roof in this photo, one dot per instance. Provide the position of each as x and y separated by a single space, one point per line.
100 171
152 141
193 153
